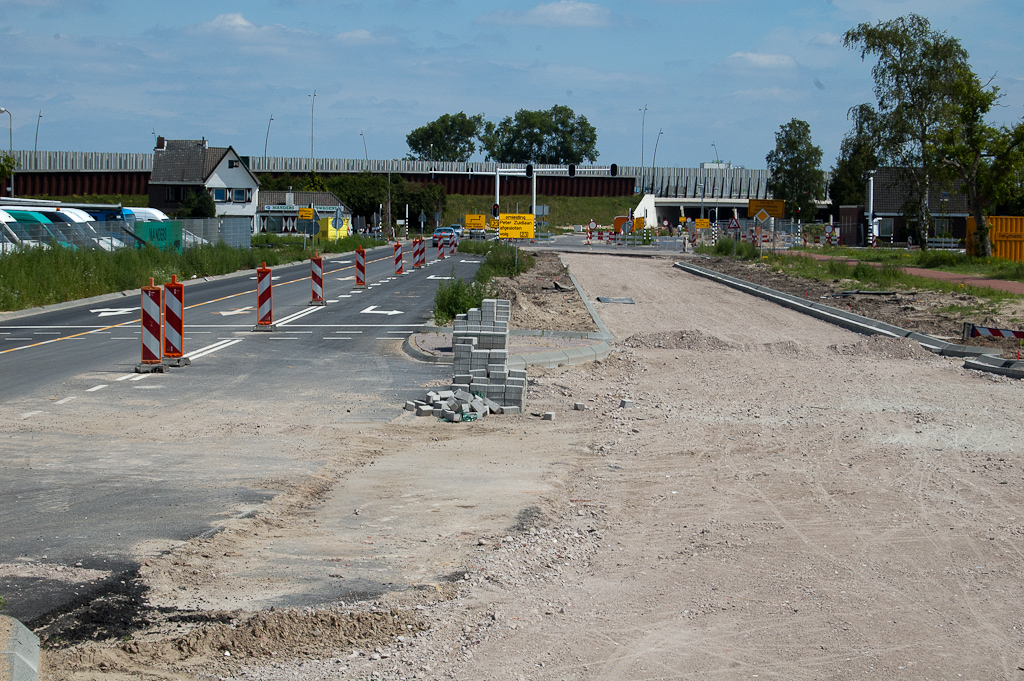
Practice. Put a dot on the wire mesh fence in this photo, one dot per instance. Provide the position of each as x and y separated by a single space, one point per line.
114 234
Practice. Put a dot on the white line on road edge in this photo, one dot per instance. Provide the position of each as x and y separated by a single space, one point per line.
65 400
96 387
30 414
210 349
298 315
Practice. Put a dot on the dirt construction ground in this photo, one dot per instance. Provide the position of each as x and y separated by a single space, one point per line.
784 499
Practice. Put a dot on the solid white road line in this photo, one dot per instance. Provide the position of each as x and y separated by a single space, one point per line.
297 315
210 349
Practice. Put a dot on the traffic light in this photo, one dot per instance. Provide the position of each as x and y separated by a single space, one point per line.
494 210
572 170
614 170
529 170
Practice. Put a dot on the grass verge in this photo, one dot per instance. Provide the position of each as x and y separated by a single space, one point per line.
455 296
945 261
42 276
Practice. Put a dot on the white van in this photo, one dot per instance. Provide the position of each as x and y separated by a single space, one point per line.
140 214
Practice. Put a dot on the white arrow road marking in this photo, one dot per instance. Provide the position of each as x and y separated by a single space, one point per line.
373 310
472 261
111 311
241 310
433 277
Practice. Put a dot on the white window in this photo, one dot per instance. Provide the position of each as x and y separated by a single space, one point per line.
239 195
220 195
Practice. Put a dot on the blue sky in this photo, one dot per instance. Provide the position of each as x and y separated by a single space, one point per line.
107 74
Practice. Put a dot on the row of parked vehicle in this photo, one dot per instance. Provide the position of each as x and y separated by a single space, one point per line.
31 225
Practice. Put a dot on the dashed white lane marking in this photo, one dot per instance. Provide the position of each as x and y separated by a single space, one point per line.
337 338
65 400
30 414
147 387
96 387
139 377
332 301
124 378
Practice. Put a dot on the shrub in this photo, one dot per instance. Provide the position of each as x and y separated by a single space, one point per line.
455 296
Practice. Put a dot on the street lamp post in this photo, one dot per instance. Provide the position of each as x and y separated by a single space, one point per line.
35 148
312 106
267 140
655 158
717 160
10 135
643 123
366 156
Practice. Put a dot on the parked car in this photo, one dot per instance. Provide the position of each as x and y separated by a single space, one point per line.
442 233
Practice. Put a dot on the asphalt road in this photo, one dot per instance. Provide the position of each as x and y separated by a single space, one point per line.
77 487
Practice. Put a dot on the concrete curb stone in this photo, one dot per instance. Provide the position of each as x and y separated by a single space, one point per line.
19 651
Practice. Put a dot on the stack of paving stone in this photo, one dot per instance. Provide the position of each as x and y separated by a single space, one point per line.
483 383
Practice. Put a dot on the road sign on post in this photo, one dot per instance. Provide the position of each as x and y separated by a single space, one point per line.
516 226
774 208
476 221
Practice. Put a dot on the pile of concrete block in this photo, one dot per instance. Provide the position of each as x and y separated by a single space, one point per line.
482 383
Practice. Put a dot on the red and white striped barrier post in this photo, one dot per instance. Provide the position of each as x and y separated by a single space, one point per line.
453 245
440 248
590 234
360 266
316 278
152 330
264 299
419 253
398 258
174 322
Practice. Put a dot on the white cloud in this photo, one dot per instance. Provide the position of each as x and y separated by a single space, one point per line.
766 94
562 13
362 37
761 60
230 22
826 39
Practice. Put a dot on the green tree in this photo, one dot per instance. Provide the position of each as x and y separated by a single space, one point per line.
8 165
197 205
914 76
449 138
987 159
857 155
555 136
794 168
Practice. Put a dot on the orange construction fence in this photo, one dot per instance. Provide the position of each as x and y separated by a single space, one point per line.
1006 232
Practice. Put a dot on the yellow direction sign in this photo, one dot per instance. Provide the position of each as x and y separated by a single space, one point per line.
774 208
305 213
515 226
476 221
703 224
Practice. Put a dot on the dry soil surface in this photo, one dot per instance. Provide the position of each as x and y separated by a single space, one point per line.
782 499
935 313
